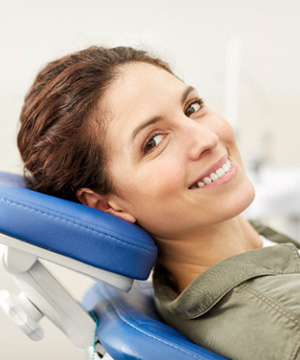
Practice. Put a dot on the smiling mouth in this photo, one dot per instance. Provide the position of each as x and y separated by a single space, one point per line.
213 176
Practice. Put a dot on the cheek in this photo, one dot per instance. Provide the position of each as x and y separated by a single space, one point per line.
227 137
159 178
162 178
230 134
225 131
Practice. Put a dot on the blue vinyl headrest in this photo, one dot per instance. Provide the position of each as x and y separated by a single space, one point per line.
74 230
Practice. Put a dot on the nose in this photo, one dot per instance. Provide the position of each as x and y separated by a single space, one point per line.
202 140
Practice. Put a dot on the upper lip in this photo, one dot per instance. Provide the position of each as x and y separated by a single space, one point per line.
211 169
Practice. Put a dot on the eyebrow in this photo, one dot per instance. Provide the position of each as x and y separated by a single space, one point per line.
186 93
156 119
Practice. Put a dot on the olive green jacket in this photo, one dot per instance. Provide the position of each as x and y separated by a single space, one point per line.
246 307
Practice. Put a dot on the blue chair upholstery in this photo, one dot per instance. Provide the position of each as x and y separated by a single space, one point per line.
129 326
77 231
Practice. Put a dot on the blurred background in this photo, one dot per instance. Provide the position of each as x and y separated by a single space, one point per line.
243 57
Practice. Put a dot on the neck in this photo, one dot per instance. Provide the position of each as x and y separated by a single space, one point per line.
185 259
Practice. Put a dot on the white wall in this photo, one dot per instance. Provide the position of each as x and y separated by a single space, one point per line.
193 37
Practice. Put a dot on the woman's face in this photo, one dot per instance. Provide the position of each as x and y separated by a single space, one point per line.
163 144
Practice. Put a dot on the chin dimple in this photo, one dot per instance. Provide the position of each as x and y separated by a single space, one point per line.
213 176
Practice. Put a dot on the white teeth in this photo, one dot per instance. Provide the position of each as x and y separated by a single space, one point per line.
226 167
214 176
200 183
207 180
220 172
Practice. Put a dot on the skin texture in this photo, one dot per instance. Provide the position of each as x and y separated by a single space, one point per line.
161 139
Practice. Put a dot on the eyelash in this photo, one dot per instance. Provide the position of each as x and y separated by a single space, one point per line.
148 141
198 101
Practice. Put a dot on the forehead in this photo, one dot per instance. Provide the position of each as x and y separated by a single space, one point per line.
141 90
140 74
141 84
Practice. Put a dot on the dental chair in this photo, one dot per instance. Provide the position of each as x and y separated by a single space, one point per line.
117 318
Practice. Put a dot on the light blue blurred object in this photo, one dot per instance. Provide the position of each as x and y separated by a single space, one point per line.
277 195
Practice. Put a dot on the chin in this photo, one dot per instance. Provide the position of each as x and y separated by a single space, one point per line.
244 198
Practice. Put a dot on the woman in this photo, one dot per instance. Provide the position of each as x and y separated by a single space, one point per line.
116 130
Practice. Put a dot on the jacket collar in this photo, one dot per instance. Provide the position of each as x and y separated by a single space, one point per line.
214 283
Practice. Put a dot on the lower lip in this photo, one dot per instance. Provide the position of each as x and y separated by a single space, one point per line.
223 180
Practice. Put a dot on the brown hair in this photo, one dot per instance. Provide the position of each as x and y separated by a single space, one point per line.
58 140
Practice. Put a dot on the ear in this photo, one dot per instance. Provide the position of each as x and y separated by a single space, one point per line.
105 203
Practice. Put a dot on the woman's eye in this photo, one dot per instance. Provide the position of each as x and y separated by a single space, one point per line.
194 107
153 142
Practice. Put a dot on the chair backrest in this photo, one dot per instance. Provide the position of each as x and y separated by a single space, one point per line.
35 225
84 234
